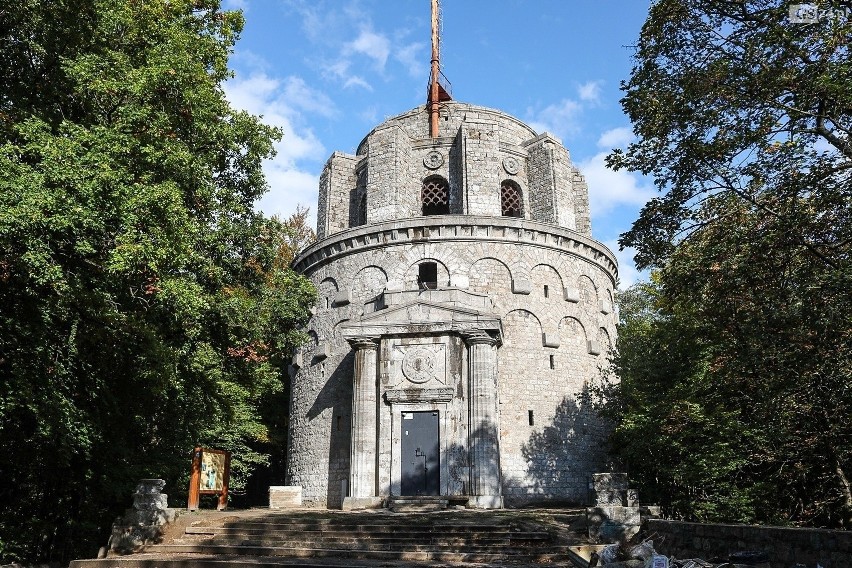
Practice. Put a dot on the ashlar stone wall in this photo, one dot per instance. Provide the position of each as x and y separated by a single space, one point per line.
551 288
477 150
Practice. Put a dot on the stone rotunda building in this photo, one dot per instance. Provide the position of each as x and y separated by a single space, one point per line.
463 309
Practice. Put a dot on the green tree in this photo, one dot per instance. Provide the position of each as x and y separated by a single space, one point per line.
145 308
743 117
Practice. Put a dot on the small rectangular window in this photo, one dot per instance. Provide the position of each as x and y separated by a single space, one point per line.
546 291
427 275
531 418
553 361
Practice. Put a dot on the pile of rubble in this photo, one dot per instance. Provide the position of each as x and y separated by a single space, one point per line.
643 555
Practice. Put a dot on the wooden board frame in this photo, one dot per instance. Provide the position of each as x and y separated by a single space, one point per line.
216 485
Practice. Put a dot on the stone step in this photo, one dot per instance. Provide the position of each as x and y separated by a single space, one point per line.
395 533
420 554
490 547
364 544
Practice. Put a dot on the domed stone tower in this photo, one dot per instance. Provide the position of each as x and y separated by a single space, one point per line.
463 309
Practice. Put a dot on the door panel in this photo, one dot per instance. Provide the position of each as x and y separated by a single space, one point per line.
420 454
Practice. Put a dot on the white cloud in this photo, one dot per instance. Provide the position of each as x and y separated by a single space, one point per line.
281 103
616 138
409 56
559 119
373 45
301 96
627 273
563 118
340 70
609 189
590 91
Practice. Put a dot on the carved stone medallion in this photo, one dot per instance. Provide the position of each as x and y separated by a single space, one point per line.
511 165
418 365
433 160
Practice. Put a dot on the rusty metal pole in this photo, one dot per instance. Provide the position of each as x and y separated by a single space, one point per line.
436 69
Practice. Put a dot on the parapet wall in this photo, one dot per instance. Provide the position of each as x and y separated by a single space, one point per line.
785 546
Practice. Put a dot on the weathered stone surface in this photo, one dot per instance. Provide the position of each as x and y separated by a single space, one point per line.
142 525
512 421
285 497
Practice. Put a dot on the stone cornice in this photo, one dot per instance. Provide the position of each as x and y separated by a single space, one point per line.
455 228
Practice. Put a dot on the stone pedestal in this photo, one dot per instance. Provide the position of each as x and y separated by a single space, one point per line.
142 525
616 515
285 496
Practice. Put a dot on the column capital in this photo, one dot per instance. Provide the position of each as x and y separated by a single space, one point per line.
478 337
359 343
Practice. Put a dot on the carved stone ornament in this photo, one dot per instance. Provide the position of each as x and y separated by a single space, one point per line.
397 396
433 160
511 165
418 365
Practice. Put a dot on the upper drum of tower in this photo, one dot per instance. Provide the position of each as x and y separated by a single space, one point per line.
483 162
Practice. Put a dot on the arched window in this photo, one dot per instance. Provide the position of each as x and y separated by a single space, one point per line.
435 196
511 203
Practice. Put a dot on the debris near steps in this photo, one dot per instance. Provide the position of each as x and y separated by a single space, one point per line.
643 555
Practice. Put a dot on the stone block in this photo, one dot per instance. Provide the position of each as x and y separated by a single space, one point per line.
594 347
606 307
521 286
358 503
571 295
612 523
485 502
322 351
609 497
550 339
298 359
343 297
616 481
285 496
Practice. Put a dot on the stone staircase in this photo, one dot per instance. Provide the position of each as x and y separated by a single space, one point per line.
327 539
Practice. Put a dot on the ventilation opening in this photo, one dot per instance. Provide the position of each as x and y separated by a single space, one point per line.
435 196
427 276
531 417
327 302
546 291
553 361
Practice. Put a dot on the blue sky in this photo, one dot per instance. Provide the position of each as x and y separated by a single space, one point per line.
328 71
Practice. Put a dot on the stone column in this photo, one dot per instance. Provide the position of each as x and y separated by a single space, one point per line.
362 454
484 434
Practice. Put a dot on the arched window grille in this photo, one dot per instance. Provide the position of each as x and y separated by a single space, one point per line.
511 204
435 196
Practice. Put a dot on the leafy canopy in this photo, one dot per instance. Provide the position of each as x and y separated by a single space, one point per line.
736 362
146 306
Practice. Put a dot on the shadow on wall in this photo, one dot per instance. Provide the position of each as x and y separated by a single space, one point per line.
454 460
562 457
336 395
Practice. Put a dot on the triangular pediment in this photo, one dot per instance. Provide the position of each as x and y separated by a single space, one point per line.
422 316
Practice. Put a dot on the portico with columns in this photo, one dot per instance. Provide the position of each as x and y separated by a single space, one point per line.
434 353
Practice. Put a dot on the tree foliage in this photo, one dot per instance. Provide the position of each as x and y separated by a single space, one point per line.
738 355
145 305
